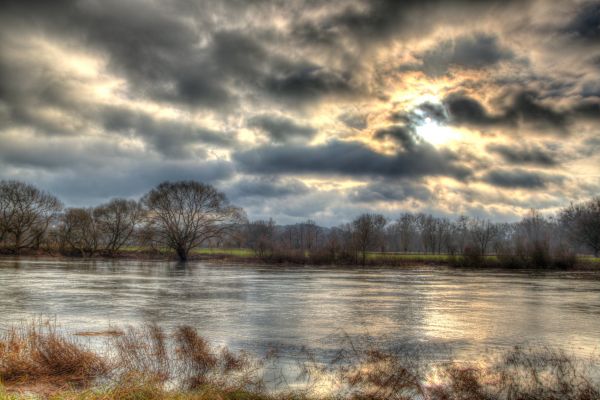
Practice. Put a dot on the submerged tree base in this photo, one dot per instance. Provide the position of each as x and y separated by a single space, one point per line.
149 363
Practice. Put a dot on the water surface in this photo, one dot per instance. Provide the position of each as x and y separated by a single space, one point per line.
465 313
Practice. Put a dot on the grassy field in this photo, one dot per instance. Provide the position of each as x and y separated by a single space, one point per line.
225 251
372 257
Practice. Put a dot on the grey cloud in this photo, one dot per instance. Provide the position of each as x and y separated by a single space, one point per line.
233 59
586 24
27 87
281 129
465 109
524 155
523 107
309 82
169 137
89 184
349 158
353 120
474 51
369 22
266 187
54 154
425 110
389 190
588 108
404 135
519 178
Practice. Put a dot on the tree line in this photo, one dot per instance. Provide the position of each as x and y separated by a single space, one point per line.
182 216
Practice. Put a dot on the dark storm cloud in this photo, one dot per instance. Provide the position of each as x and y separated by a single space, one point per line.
475 51
436 112
588 108
281 129
419 115
26 87
169 137
524 155
309 82
586 24
523 107
379 20
465 109
86 85
174 52
404 135
157 49
520 179
351 159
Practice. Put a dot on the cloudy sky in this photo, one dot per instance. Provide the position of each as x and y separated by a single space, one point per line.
309 108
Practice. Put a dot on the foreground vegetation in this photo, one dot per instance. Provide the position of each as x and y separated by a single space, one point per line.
182 219
149 363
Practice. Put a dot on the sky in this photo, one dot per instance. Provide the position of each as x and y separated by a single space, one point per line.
301 109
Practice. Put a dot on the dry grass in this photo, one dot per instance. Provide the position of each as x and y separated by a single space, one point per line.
39 353
146 363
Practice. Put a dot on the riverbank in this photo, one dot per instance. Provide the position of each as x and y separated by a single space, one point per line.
247 256
149 363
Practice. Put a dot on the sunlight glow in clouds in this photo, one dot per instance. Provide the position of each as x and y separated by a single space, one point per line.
435 133
381 106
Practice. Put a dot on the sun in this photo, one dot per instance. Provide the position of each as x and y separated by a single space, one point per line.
435 133
430 120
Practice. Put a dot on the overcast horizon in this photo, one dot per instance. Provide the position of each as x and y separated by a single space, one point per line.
308 109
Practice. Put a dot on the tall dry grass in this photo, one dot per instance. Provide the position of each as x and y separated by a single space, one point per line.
39 353
147 363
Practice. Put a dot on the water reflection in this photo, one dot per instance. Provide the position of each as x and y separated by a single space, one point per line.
258 307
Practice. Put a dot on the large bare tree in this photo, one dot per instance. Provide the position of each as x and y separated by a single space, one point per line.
79 232
25 214
184 215
116 222
582 222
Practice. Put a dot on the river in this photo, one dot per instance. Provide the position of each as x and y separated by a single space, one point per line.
447 312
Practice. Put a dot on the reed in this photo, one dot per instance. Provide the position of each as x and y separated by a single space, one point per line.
147 363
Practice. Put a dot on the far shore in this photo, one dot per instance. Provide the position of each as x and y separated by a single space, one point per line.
247 256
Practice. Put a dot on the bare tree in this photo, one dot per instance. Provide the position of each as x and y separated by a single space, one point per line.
116 222
25 214
368 233
482 232
406 227
461 232
428 229
582 222
78 232
261 236
184 215
443 234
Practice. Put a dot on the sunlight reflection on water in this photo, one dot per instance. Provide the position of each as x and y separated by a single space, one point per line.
446 313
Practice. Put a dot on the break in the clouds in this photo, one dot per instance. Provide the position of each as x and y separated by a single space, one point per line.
306 109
